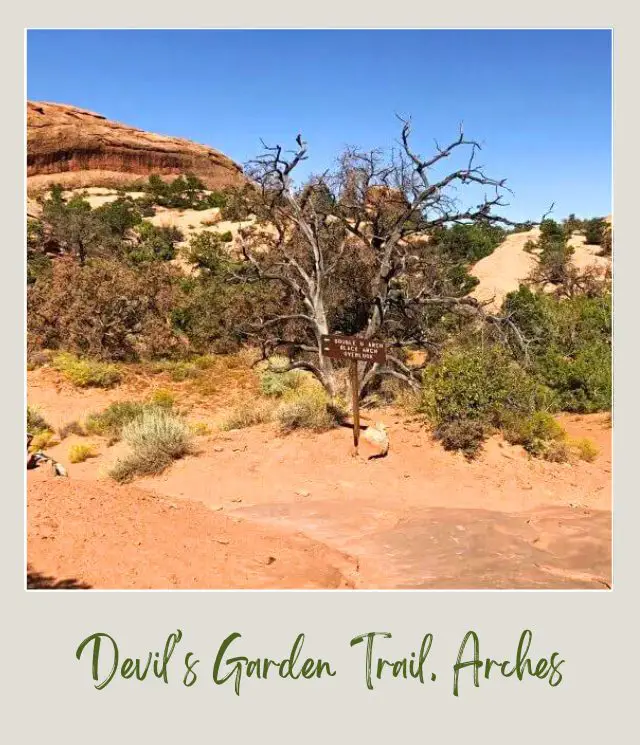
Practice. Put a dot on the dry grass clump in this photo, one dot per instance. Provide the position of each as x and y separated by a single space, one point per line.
81 452
86 373
110 421
248 414
71 428
307 408
155 439
200 429
276 381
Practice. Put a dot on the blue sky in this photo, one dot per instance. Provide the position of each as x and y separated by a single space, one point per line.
539 101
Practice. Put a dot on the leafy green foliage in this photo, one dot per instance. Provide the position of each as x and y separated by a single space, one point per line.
473 391
594 231
569 345
469 242
534 432
555 254
183 192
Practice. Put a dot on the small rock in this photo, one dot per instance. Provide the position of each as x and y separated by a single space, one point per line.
302 493
237 499
270 560
218 450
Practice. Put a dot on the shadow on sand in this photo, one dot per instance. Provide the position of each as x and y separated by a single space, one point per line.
38 581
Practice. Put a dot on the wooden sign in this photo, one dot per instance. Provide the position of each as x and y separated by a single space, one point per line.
354 348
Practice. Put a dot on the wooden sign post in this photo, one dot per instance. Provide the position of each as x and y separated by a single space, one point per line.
354 348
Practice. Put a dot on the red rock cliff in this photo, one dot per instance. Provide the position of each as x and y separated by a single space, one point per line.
76 147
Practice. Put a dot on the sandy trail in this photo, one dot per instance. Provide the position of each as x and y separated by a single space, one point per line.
421 517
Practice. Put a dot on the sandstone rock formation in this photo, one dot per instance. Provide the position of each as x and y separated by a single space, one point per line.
79 148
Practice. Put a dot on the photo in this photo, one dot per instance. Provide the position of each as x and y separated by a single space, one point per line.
318 310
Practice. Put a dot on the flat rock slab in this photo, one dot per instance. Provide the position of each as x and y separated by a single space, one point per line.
553 547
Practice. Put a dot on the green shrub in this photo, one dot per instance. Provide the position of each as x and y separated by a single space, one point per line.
481 385
469 242
81 452
569 347
594 231
533 432
155 439
154 243
86 373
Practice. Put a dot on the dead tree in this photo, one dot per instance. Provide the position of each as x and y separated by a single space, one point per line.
388 205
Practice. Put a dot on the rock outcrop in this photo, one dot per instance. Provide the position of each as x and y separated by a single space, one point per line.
78 148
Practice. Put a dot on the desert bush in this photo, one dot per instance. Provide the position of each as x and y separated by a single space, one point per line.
81 452
478 385
606 243
594 231
86 373
216 314
36 423
178 370
163 398
200 429
469 242
43 439
155 439
555 254
248 414
119 216
105 310
71 428
466 435
276 380
557 451
569 345
534 432
154 243
307 408
184 192
110 421
205 251
585 449
481 384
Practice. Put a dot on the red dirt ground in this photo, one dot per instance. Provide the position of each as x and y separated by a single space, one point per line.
419 518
